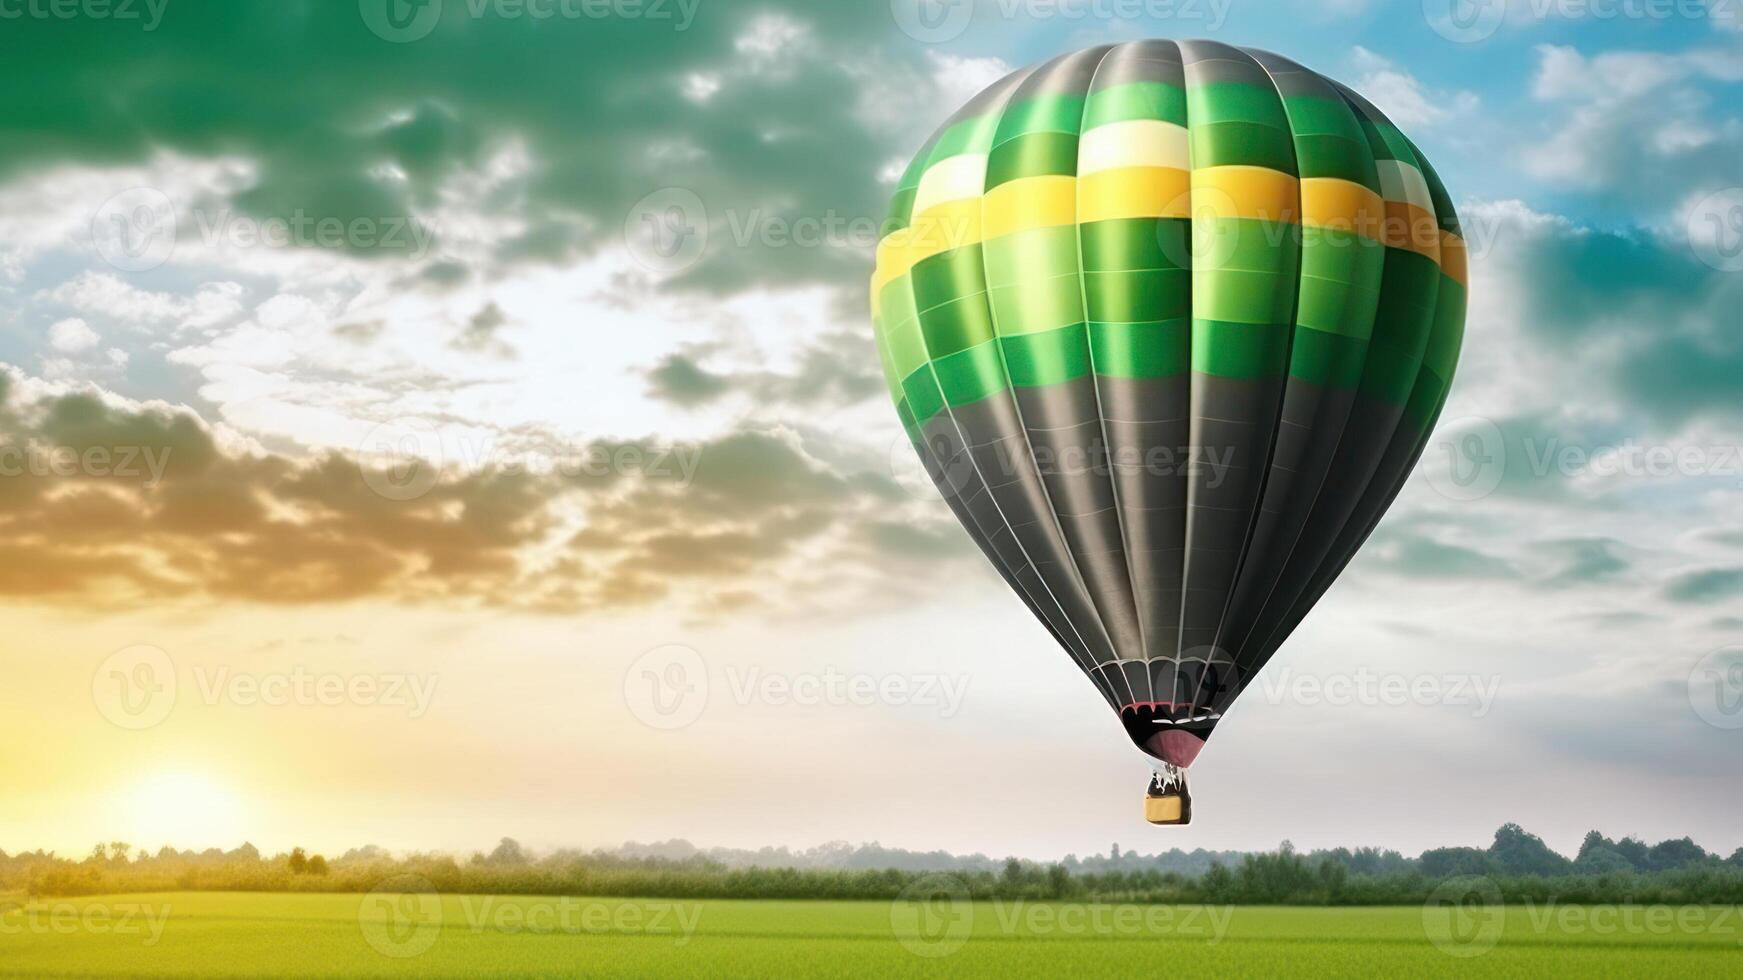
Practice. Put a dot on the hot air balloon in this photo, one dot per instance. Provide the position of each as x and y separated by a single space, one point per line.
1169 323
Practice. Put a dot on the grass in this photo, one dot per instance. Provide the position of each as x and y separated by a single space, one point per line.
254 934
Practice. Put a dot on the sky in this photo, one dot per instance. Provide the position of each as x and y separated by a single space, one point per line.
431 423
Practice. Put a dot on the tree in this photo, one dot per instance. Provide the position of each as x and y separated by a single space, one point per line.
1634 849
1450 862
1218 882
299 862
317 865
118 850
1058 880
1593 843
1679 853
1516 851
508 852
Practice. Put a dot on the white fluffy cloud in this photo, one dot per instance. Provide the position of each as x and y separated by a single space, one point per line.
72 336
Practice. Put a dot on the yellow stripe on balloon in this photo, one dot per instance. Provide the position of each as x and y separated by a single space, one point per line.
1413 229
1134 192
1029 202
1237 191
1343 205
1454 260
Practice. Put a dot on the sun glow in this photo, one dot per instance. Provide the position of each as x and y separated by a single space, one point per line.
182 809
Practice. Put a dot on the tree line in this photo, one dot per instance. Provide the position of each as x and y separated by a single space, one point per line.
1519 865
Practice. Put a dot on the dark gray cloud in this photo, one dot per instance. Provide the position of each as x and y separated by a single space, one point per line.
123 506
836 369
340 123
1705 585
1585 561
1402 551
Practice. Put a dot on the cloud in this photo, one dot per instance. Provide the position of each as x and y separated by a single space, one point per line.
128 503
480 335
1586 561
835 370
1404 99
1398 550
476 132
1705 585
681 381
1615 321
1635 124
72 336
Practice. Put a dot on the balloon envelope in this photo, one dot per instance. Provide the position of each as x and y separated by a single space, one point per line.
1169 324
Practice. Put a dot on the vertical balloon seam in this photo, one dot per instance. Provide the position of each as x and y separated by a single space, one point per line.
1079 651
1220 76
1041 117
1095 386
1335 555
1296 229
1372 506
1095 667
1051 511
1243 665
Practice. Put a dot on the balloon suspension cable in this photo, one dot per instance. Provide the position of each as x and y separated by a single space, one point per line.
1166 775
1168 801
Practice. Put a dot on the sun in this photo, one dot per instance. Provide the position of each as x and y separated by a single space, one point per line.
183 809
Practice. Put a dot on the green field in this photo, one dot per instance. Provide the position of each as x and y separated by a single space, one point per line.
247 934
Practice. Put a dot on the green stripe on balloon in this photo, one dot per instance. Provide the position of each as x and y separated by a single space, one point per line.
1135 100
1046 358
1328 359
967 376
1159 349
1442 352
1043 114
1135 243
1032 155
1239 350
